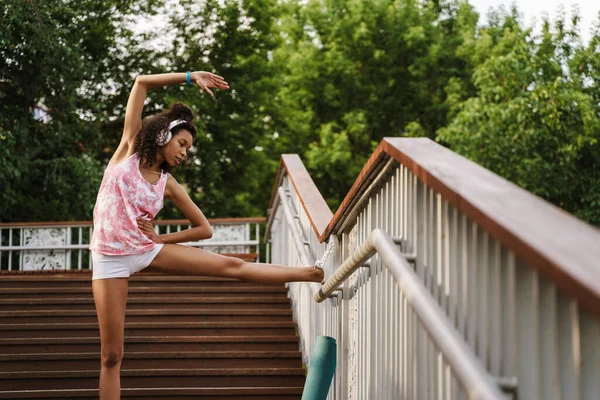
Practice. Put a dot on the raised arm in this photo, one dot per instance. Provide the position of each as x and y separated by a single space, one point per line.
143 83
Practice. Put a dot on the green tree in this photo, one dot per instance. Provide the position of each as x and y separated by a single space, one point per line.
57 59
230 175
355 72
535 117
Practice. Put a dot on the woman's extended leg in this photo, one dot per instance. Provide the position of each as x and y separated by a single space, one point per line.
110 296
184 260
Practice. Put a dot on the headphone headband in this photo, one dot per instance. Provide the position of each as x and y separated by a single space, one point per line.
165 135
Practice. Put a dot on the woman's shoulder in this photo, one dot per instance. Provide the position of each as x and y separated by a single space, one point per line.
171 183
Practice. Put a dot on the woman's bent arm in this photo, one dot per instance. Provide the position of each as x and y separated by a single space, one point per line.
188 235
201 227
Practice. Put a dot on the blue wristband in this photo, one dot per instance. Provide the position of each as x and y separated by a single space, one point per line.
188 78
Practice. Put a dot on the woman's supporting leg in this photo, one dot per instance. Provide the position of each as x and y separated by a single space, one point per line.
184 260
110 296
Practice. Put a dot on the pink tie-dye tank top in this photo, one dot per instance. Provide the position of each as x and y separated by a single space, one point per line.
124 196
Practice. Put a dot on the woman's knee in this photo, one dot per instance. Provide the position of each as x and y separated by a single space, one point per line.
234 266
111 357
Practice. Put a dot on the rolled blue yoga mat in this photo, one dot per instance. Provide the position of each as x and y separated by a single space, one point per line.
321 369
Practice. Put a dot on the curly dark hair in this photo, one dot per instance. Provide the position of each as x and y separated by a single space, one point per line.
145 142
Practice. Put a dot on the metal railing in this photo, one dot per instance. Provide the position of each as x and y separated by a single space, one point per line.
419 313
64 245
526 315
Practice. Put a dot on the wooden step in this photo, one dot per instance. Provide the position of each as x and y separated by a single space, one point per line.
147 315
11 292
169 393
186 337
151 344
145 378
90 329
153 360
86 302
134 281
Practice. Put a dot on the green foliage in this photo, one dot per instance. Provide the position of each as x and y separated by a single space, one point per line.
55 60
354 72
326 79
534 119
232 39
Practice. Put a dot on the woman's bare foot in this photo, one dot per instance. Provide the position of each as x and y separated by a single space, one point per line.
318 275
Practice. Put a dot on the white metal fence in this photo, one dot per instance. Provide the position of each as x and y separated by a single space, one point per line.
57 246
535 341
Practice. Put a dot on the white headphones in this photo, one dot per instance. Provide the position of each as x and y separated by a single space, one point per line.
165 135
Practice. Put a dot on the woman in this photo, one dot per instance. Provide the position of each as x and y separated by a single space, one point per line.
134 186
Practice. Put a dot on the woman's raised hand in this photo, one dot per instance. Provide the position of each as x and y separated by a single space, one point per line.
206 80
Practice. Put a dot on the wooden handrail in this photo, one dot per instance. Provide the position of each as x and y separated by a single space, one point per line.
156 222
311 199
563 248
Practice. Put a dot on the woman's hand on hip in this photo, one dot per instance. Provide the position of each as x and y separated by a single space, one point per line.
148 229
206 80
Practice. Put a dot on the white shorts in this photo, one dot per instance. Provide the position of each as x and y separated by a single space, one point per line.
104 266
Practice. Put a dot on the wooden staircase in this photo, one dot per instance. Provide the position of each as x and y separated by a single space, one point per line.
185 338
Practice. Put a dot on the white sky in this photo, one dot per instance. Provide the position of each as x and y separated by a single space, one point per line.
533 10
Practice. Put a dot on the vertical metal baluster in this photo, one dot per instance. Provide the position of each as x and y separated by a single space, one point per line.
430 244
361 363
509 327
380 300
247 236
426 357
410 363
376 306
414 323
448 394
257 236
472 240
482 312
392 206
388 306
80 251
22 252
549 376
69 252
10 234
402 187
495 311
463 293
439 287
569 349
439 261
369 300
365 330
411 239
422 236
454 271
410 211
445 258
385 324
397 340
405 347
528 332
